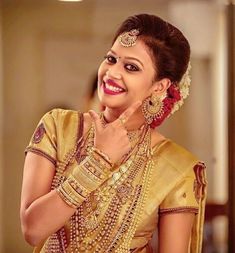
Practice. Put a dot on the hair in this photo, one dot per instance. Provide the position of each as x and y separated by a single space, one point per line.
169 49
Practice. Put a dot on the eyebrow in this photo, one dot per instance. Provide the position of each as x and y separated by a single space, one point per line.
129 58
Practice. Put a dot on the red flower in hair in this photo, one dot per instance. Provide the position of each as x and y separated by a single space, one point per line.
173 96
174 93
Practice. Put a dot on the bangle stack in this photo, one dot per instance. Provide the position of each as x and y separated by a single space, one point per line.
85 178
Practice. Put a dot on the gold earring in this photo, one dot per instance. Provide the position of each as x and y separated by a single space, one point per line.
152 108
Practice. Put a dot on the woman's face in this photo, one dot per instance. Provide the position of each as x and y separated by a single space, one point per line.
125 76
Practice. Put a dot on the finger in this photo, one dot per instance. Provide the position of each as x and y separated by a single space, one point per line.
96 119
124 117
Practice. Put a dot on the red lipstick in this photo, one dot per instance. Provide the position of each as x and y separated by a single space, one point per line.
111 82
112 88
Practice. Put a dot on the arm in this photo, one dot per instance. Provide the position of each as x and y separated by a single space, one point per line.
174 232
42 211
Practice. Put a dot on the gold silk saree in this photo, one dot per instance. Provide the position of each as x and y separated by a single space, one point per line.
172 180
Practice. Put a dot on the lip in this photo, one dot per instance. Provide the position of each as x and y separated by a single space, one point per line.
114 84
110 92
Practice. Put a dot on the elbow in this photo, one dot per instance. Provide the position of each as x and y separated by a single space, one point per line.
30 232
30 237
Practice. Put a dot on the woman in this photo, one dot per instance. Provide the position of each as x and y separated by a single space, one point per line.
104 182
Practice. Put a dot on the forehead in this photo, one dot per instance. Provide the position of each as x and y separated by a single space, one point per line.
139 51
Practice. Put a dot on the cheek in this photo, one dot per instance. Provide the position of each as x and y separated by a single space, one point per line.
144 86
101 71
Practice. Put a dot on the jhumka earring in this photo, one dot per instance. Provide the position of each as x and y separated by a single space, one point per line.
153 108
128 39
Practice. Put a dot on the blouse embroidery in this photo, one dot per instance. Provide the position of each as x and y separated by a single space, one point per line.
39 133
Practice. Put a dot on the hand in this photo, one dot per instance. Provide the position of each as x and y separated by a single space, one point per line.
112 139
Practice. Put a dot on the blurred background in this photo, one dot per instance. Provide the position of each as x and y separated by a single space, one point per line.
50 51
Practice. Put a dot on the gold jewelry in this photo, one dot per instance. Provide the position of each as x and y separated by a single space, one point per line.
152 107
93 227
69 195
97 217
84 179
128 39
122 120
103 155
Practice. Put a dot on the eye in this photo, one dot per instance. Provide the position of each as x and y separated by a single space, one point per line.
131 67
110 59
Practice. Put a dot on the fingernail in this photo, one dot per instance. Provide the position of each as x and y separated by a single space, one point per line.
91 113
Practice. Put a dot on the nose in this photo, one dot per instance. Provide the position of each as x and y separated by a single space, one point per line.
114 72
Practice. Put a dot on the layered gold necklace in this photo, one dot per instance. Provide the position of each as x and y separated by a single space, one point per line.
95 226
107 220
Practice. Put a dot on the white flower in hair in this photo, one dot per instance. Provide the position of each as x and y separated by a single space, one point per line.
183 85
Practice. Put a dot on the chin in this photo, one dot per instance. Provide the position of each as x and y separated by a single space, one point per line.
113 105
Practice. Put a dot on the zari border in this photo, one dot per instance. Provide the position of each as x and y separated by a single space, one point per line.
80 126
40 152
183 209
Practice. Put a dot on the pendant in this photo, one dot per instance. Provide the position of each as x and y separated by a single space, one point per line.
91 222
124 192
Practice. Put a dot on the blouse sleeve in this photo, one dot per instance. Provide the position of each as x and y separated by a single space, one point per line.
190 196
44 139
185 196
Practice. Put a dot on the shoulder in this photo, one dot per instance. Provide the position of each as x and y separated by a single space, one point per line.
63 123
177 170
58 115
62 117
175 158
67 120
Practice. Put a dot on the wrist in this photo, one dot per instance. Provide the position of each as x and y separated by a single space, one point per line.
85 178
102 157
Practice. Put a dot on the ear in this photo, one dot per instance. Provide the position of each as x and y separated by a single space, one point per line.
160 87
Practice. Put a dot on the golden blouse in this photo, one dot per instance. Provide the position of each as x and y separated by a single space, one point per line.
177 182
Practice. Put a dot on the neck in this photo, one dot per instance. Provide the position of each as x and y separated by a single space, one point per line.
134 122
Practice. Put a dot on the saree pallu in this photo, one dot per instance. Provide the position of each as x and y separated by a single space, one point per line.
176 183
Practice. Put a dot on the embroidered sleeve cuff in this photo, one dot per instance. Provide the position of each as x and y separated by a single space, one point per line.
41 153
183 209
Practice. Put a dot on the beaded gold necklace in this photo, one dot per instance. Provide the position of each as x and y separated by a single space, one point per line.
94 226
106 221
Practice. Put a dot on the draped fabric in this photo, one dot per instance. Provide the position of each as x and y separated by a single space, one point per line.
177 182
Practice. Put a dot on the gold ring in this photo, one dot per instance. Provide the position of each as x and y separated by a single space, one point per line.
122 120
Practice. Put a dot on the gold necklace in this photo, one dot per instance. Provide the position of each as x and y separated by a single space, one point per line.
109 199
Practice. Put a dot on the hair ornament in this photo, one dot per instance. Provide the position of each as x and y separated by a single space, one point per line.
174 99
128 39
183 87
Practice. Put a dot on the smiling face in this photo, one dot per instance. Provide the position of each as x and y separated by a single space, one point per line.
125 76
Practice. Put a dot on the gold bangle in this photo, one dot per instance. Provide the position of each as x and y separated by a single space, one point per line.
103 155
69 201
99 165
83 180
77 187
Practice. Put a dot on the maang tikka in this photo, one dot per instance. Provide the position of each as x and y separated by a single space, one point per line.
128 39
153 108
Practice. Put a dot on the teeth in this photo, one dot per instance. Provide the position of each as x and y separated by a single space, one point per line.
112 88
